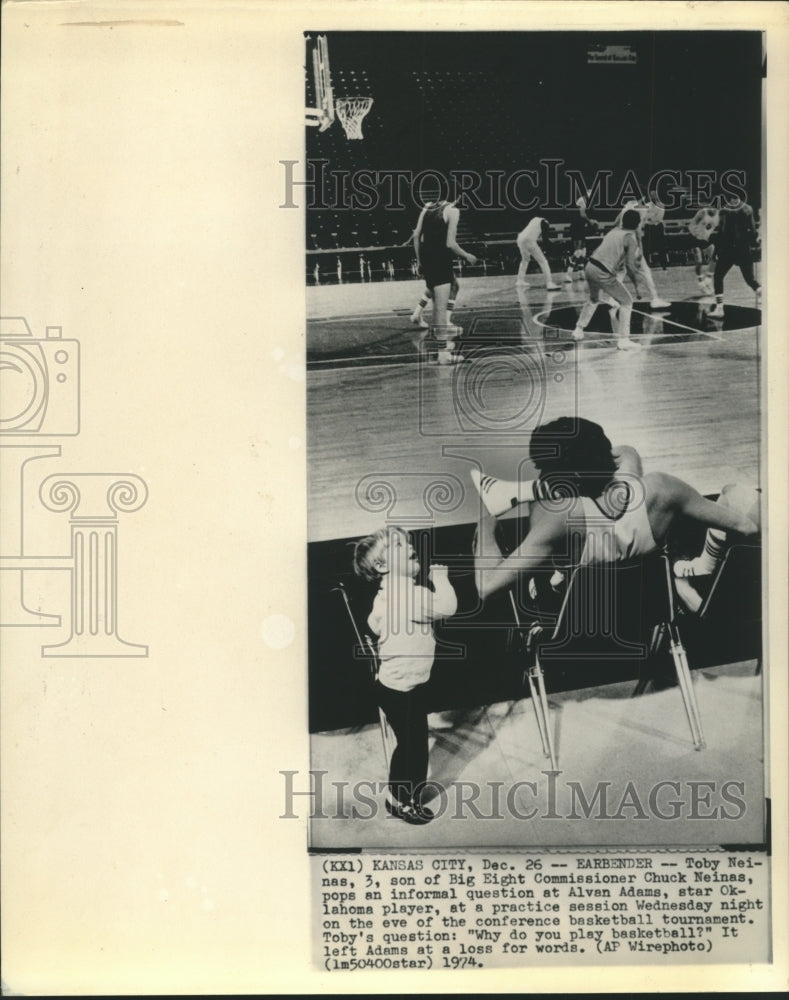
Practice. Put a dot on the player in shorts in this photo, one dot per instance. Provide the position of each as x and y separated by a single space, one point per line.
734 238
618 251
436 246
416 316
649 214
529 245
581 227
701 227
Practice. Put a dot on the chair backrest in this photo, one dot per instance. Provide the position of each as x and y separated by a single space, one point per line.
735 594
609 609
366 647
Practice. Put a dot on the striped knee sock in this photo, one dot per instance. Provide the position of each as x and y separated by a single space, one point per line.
707 562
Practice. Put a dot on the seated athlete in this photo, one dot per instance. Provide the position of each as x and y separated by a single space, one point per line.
602 508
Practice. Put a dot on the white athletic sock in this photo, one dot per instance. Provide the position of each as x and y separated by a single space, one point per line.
706 563
501 495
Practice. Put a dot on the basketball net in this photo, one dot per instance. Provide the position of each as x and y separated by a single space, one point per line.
351 111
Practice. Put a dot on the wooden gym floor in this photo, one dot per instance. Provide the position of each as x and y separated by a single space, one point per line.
689 400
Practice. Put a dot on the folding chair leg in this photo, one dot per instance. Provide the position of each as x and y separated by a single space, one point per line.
686 687
657 637
385 737
654 645
537 712
544 724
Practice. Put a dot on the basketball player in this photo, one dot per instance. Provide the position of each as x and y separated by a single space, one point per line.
427 295
436 246
637 511
649 214
701 227
618 250
581 226
529 245
735 236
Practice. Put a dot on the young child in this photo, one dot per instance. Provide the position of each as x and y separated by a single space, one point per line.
402 618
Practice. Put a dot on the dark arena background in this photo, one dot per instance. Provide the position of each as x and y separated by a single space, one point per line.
675 117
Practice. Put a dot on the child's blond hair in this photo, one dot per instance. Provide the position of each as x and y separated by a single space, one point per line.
363 563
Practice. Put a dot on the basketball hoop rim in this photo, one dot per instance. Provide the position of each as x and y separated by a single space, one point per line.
352 97
351 111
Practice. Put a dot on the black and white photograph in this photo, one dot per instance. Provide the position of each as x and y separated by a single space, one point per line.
393 497
535 414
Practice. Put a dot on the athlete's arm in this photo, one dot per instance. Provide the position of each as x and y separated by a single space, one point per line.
547 537
453 215
750 224
418 235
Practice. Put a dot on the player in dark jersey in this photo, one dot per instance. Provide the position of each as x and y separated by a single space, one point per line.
582 227
427 296
436 246
735 236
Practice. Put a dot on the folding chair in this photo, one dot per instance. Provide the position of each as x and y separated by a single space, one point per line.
536 680
368 649
736 589
733 598
607 612
663 618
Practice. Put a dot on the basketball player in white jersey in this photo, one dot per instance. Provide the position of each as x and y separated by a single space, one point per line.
618 250
701 227
529 245
635 512
649 214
